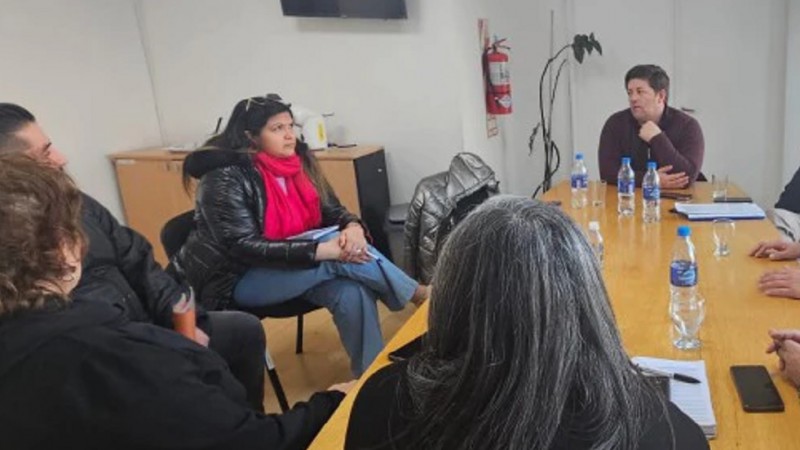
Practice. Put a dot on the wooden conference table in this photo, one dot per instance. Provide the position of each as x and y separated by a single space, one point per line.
636 273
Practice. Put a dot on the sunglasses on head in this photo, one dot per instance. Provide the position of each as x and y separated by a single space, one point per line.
262 101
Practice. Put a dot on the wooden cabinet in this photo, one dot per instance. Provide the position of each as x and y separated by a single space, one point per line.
152 192
151 187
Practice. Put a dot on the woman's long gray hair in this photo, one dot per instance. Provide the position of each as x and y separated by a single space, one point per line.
523 350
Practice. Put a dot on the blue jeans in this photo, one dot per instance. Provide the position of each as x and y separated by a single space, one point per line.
348 290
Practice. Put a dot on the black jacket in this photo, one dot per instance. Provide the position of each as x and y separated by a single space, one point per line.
381 412
790 198
84 377
229 216
119 268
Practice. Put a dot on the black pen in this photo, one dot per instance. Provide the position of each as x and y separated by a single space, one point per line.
673 375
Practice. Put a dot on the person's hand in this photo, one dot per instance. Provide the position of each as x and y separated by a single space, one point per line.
354 244
201 337
672 180
781 283
648 131
343 387
778 336
789 353
328 251
776 250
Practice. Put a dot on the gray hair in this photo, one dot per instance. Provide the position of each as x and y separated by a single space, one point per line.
523 350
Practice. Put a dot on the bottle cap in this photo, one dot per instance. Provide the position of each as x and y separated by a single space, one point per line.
684 231
579 156
626 160
651 165
594 226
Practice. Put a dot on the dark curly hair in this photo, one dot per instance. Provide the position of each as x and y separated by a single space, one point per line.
40 209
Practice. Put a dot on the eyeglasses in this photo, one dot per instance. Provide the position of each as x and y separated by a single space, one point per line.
262 101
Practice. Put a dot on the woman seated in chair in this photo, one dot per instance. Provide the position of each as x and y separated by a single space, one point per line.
522 351
77 373
258 188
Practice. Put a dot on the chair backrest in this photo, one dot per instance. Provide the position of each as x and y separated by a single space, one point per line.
176 231
462 209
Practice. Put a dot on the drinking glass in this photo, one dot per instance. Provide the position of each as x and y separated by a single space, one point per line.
597 192
724 230
719 185
687 315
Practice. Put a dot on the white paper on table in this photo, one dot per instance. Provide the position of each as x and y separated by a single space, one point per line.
693 399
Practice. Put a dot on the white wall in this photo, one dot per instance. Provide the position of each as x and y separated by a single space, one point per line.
731 58
527 27
394 83
791 153
472 109
79 67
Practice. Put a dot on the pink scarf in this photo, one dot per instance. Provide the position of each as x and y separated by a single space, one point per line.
295 210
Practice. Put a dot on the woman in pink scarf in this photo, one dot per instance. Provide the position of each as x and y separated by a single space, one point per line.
258 188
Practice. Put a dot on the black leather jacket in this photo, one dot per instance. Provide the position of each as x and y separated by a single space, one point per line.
229 217
119 268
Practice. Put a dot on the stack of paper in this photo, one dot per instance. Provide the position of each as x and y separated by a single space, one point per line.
711 211
693 399
315 234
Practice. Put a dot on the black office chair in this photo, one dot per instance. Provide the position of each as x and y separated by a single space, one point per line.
174 235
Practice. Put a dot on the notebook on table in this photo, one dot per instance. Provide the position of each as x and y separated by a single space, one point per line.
693 399
711 211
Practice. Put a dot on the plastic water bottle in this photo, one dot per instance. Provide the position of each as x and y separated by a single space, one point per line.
683 268
596 241
579 182
651 195
626 185
686 306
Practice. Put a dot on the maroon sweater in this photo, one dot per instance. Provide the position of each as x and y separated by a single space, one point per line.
679 144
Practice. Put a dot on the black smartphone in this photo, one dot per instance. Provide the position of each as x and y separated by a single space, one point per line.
756 390
408 350
733 200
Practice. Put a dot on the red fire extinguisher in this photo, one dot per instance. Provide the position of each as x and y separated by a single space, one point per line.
497 78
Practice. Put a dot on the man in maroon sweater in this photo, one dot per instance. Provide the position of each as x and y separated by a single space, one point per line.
651 131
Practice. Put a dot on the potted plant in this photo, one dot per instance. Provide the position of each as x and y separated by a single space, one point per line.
582 45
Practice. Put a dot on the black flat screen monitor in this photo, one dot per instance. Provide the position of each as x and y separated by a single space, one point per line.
370 9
